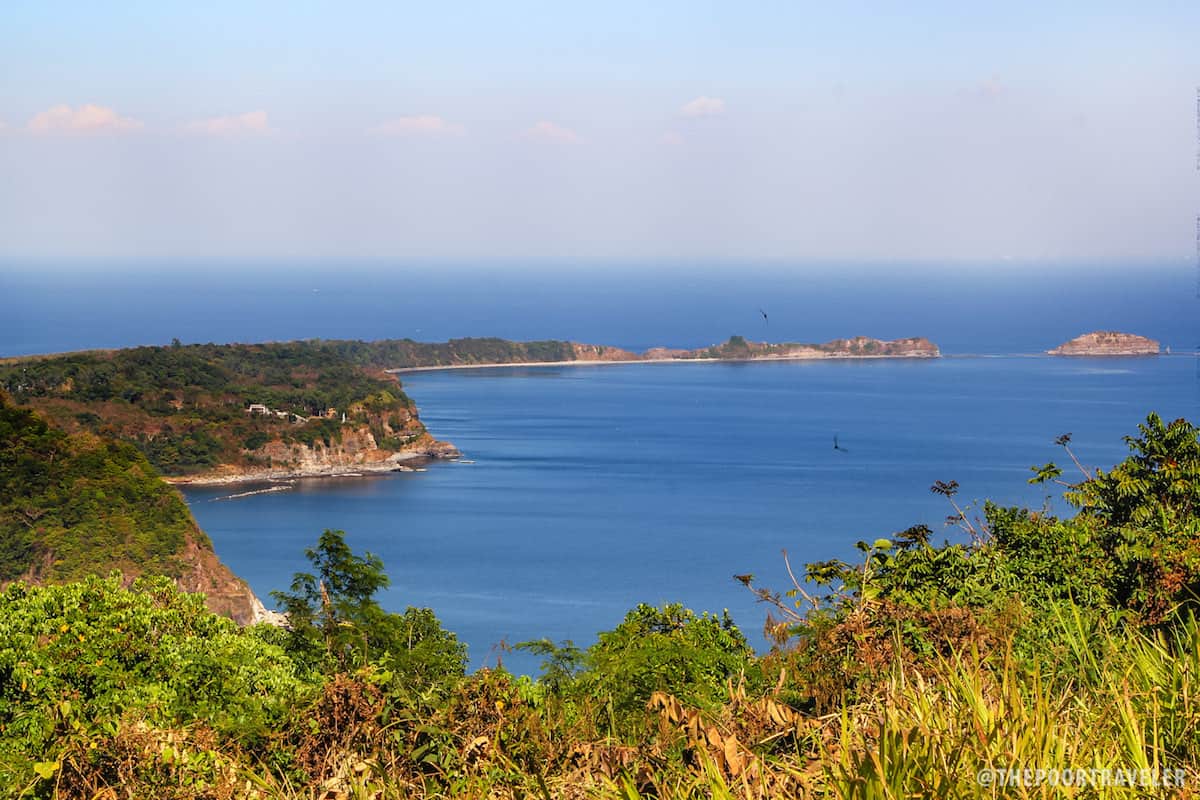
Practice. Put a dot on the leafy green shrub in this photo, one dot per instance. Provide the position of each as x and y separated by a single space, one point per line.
84 658
669 649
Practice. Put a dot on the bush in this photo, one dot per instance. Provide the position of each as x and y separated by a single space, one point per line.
89 657
668 649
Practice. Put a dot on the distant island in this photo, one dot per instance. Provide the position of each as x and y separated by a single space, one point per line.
1107 343
208 413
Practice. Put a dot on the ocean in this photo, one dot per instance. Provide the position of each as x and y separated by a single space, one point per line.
587 490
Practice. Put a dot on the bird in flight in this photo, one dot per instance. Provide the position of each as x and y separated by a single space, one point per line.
764 316
837 446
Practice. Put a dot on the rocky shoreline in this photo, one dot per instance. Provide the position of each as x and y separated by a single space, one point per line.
411 461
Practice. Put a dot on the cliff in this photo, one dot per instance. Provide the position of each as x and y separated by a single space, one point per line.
74 505
1107 343
354 450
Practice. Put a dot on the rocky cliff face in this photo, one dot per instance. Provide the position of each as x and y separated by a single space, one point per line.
224 592
355 449
600 352
1107 343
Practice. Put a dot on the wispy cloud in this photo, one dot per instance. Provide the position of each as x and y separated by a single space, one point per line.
86 118
252 122
418 125
671 139
550 131
704 107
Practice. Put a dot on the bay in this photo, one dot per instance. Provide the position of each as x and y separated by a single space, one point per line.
595 488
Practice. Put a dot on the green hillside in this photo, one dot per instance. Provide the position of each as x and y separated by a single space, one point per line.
72 505
186 407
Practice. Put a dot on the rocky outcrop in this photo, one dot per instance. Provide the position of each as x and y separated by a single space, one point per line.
354 451
1107 343
600 352
225 593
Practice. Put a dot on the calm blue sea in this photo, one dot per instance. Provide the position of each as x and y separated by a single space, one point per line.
595 488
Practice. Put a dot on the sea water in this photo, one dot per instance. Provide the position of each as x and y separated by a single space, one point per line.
587 490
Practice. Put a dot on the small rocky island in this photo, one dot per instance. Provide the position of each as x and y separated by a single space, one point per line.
1107 343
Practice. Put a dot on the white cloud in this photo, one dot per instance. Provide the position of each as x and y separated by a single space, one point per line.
671 139
254 122
418 125
87 118
704 107
552 132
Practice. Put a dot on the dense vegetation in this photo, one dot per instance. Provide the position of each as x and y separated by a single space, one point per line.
1030 642
72 504
186 406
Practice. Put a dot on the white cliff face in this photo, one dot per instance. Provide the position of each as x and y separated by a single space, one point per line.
356 447
354 451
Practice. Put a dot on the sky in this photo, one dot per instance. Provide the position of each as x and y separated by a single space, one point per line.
793 131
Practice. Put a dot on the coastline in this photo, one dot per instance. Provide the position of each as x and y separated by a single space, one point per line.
399 462
606 362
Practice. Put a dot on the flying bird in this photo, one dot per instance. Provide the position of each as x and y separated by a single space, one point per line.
837 446
764 316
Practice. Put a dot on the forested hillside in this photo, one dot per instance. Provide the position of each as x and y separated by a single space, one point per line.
73 505
189 408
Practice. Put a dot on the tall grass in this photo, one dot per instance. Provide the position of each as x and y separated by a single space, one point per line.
1109 699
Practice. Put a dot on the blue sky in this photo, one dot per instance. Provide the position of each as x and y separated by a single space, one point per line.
525 130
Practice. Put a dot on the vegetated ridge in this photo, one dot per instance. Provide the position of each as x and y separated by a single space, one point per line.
80 504
231 412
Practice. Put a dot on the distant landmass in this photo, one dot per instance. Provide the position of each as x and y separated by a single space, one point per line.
207 413
1107 343
406 355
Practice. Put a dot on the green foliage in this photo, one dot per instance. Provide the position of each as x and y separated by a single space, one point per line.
668 649
80 660
1156 486
337 624
185 406
72 505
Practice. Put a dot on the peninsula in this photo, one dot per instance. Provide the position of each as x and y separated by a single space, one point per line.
736 348
1107 343
222 414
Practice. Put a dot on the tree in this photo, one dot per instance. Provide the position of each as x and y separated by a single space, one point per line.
336 623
